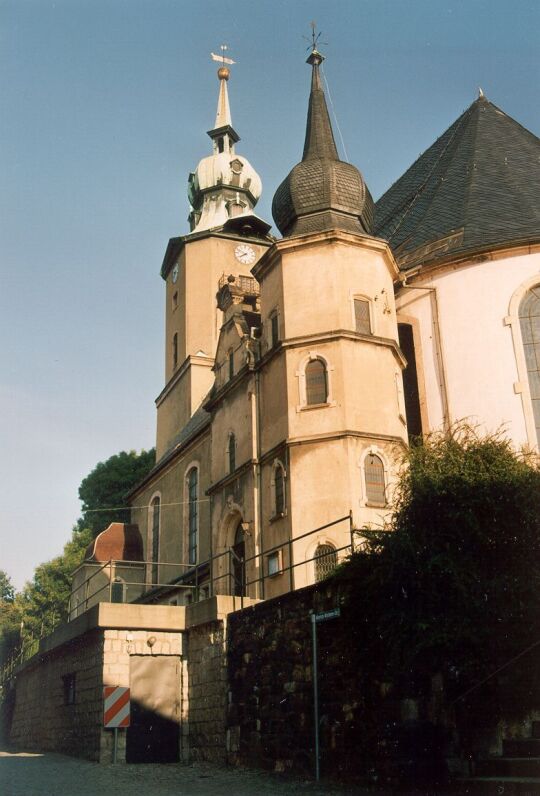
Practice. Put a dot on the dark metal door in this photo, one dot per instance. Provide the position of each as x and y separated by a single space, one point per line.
154 733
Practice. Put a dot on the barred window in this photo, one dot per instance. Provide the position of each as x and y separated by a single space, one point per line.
529 319
316 382
156 503
325 561
193 514
279 488
374 474
361 316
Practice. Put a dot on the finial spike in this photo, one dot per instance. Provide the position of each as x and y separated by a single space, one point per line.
480 93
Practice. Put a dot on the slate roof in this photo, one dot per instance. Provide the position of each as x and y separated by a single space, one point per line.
476 187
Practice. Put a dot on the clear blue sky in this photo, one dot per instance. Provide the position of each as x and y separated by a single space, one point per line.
104 106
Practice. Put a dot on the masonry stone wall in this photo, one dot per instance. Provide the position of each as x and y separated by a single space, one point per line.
41 719
270 703
207 691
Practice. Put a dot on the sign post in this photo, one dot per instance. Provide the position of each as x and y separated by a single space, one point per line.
324 616
116 711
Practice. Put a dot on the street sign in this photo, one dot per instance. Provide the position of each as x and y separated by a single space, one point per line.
324 616
115 706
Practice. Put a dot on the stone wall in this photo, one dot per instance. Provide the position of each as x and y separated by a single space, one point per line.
270 713
41 719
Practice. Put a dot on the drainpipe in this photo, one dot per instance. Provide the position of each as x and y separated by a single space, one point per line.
256 433
443 381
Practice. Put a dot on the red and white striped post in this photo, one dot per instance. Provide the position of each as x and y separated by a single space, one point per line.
116 711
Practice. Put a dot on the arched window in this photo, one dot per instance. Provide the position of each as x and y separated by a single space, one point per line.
374 476
325 560
193 514
316 382
156 504
529 321
232 453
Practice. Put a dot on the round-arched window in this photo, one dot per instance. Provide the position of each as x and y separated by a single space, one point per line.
529 321
316 382
374 476
325 560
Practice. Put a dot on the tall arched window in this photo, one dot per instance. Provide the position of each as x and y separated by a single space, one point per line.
279 489
529 320
193 514
232 453
156 503
316 382
374 476
325 560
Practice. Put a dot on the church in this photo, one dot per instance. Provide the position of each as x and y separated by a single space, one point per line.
298 368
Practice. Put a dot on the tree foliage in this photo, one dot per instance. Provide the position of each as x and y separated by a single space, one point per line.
452 588
103 492
43 602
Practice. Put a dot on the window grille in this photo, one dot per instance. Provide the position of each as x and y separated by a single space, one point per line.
529 319
374 473
193 514
316 382
361 316
325 561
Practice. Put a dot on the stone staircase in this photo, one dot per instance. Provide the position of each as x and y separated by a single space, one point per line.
516 771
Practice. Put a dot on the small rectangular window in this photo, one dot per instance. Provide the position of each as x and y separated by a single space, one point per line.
361 316
175 350
274 563
68 683
231 364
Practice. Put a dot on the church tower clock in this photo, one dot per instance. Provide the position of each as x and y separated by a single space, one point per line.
226 237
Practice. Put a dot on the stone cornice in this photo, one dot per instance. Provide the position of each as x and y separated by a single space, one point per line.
178 374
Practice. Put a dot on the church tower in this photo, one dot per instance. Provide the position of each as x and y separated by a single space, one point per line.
226 237
329 325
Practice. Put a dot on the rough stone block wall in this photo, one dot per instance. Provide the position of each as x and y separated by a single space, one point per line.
41 720
270 712
207 691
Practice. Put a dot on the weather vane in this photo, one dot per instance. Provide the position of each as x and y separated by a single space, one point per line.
222 58
314 41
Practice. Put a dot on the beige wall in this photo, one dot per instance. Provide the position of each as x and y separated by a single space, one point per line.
471 360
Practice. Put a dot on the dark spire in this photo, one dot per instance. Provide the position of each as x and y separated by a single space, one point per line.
319 141
321 192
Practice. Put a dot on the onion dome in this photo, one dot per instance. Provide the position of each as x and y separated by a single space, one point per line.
224 185
321 192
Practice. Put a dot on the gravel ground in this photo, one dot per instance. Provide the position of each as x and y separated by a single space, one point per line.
28 774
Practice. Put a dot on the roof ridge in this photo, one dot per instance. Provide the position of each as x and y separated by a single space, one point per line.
472 173
460 125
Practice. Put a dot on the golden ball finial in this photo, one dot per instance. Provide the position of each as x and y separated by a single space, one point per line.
223 73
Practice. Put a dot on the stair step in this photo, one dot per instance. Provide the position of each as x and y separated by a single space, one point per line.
536 729
509 786
521 747
509 767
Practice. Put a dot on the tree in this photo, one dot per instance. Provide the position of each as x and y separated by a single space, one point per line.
9 617
452 588
103 492
7 590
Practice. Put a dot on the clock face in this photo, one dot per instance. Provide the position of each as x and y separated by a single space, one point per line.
175 273
245 254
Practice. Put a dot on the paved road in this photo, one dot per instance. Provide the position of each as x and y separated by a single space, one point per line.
28 774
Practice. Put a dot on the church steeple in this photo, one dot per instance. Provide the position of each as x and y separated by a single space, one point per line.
319 140
321 192
224 185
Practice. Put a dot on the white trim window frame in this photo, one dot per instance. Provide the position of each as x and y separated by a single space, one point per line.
301 376
373 450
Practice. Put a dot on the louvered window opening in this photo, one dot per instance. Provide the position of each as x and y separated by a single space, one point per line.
361 316
193 514
155 538
279 485
375 486
316 383
325 561
529 319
